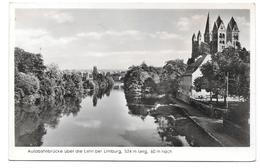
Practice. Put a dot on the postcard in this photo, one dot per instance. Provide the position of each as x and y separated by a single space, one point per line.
132 82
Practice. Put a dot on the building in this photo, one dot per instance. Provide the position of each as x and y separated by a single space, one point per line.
219 38
215 41
186 90
233 34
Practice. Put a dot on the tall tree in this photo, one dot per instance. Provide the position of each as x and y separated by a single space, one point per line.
170 76
95 72
211 81
230 64
235 63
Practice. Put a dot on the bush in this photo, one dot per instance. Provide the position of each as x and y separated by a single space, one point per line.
27 84
28 62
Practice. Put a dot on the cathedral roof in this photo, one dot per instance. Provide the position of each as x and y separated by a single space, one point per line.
219 22
215 27
232 24
199 34
193 36
207 25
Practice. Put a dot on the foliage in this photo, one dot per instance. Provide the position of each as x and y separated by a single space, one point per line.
174 69
45 113
28 63
37 82
52 84
28 83
234 63
73 85
95 72
145 79
199 84
170 76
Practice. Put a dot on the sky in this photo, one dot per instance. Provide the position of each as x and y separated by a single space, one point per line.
116 38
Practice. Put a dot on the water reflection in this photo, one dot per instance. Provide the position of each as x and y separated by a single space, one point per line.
173 127
166 130
99 93
30 121
105 117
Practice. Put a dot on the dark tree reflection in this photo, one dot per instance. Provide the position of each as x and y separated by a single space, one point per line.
30 121
173 127
99 93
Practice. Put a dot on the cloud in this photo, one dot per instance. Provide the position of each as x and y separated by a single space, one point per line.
89 123
32 33
183 24
187 23
242 21
33 39
134 53
91 35
164 35
59 17
197 17
123 33
110 33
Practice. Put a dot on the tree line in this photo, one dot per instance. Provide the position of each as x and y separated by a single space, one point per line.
36 82
144 79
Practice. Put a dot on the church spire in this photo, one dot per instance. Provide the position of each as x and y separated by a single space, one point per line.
206 33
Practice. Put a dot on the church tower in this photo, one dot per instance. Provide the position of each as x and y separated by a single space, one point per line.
218 36
194 45
233 34
206 33
199 38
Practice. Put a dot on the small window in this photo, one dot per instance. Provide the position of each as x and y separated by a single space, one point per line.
222 42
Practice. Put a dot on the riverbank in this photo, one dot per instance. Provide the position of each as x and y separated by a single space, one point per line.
214 127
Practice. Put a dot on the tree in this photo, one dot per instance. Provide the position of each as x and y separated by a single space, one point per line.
173 69
231 62
199 84
190 61
73 85
170 76
28 62
212 80
95 73
144 66
53 71
28 82
25 85
235 63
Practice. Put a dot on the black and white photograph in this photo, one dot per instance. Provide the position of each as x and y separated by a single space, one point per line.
132 77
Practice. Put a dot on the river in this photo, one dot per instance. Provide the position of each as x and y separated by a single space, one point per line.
106 120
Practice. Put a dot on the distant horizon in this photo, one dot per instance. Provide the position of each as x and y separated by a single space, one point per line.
117 39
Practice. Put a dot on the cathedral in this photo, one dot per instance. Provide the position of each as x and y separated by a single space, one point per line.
215 41
219 38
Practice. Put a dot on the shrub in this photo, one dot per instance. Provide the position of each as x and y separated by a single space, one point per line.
28 83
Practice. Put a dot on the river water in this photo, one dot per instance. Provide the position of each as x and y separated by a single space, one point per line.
106 124
104 120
